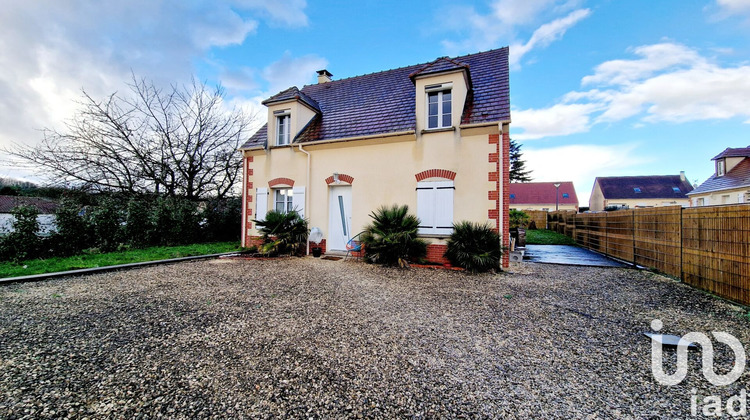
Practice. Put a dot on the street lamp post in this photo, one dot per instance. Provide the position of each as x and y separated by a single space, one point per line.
557 196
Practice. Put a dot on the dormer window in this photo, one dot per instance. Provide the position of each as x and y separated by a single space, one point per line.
282 127
720 167
439 102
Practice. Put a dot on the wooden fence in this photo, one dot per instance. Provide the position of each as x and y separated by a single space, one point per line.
706 247
539 217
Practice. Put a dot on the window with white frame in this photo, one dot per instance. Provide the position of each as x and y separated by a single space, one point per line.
435 207
439 100
282 127
720 167
283 200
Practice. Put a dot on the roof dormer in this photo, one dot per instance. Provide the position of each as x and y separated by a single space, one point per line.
289 112
441 90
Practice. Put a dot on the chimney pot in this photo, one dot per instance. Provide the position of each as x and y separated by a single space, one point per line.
324 76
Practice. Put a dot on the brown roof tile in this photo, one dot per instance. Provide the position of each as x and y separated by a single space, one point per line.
384 102
645 187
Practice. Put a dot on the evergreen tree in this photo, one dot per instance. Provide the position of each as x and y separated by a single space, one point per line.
518 171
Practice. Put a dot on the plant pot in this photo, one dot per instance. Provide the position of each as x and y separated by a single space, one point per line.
520 235
316 251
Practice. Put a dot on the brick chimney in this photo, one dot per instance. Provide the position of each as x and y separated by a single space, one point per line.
324 76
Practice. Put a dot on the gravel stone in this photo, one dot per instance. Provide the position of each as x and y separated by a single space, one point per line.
310 338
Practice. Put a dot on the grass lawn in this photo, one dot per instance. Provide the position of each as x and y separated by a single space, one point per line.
51 265
547 237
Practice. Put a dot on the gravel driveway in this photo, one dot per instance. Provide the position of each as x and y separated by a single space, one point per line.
315 338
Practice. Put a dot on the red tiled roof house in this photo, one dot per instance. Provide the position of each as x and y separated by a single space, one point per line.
433 136
543 196
730 183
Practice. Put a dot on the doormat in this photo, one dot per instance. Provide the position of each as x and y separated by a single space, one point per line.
331 258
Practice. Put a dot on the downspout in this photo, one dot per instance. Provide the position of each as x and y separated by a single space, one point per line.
307 194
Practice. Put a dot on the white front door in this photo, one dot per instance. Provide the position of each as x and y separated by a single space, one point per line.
339 217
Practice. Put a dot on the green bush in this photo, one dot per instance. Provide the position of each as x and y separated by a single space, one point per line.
139 226
391 238
24 241
106 220
222 219
475 247
283 233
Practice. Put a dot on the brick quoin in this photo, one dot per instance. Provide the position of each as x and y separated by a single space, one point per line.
435 173
342 177
248 200
493 158
492 195
280 181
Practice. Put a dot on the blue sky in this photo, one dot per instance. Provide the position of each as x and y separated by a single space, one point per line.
598 88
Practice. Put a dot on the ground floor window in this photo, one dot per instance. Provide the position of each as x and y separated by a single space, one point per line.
435 207
283 200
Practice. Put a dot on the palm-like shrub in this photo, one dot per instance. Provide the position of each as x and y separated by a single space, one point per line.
475 247
283 233
518 219
391 238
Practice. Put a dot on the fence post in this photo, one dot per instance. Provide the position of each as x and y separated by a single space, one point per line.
682 245
635 264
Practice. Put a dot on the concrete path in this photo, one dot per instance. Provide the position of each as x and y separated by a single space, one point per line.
568 255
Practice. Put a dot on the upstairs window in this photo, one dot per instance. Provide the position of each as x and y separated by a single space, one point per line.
565 195
282 127
720 167
439 100
637 190
676 189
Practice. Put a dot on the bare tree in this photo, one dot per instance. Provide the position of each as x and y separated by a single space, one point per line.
178 141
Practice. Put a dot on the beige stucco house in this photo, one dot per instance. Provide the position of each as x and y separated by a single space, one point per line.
433 136
630 192
543 196
730 183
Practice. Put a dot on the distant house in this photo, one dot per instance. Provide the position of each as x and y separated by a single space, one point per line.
628 192
543 196
45 206
730 183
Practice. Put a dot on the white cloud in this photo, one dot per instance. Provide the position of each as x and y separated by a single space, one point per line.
581 163
668 82
501 26
546 34
50 49
557 120
734 6
291 71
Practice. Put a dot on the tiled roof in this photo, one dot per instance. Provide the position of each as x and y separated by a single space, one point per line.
736 152
542 193
738 177
292 93
654 186
44 205
442 64
384 102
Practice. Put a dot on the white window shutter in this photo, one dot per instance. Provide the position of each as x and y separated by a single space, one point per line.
435 207
261 203
425 208
298 200
444 209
